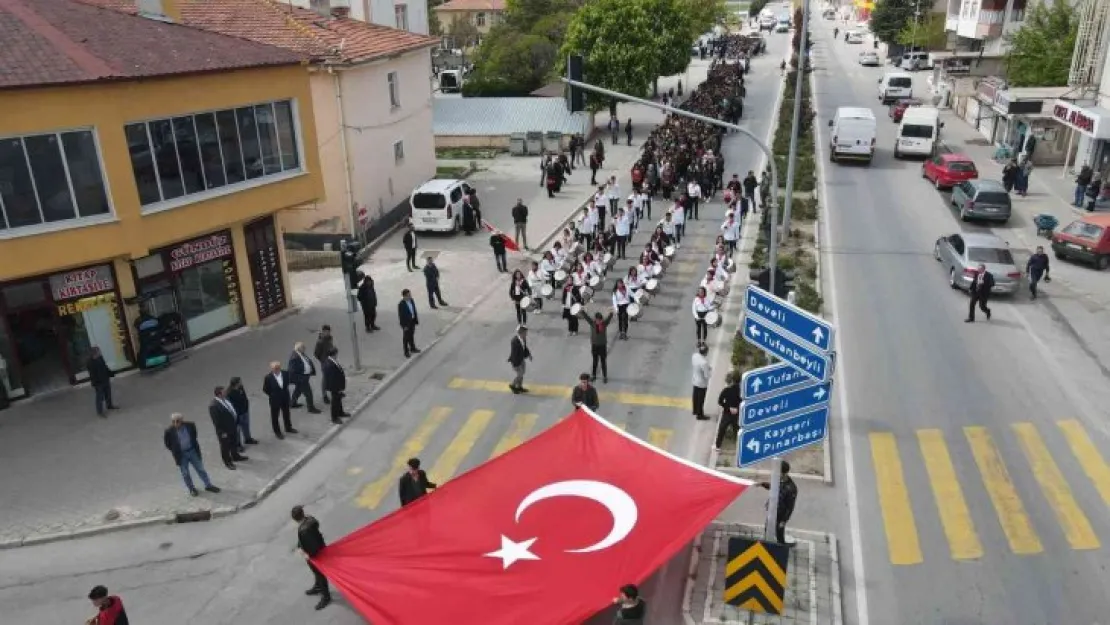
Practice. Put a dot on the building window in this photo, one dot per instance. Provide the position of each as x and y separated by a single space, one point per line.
49 178
398 152
394 90
480 20
192 154
401 16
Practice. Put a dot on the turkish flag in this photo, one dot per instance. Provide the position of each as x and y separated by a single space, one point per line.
510 244
546 533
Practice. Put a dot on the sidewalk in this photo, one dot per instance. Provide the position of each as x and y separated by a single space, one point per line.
68 473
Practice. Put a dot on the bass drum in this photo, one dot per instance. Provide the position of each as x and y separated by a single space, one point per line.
634 311
546 290
651 285
526 303
575 309
608 261
669 251
720 288
594 281
587 293
560 276
713 319
657 269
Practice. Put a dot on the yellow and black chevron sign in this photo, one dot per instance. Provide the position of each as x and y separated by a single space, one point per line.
755 576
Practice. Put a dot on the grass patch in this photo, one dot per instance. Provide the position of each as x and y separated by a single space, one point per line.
466 154
450 172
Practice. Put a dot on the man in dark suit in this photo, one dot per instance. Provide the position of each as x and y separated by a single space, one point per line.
310 542
431 280
518 354
414 483
100 378
409 241
181 439
335 384
368 300
324 343
301 370
406 313
980 292
224 420
276 388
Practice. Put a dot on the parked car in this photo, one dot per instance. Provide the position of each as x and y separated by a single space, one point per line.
1086 239
948 170
982 199
962 253
898 108
869 58
437 205
855 37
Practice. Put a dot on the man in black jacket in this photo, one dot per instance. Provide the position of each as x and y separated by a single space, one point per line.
224 420
431 281
335 384
584 394
181 439
980 292
414 483
368 300
409 241
310 542
599 342
301 371
406 313
788 496
1036 268
750 185
518 354
520 224
276 387
324 342
729 401
100 378
497 242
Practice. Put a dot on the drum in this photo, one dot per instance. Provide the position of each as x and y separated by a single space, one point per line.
546 290
729 265
594 281
587 293
657 269
575 309
637 295
666 262
721 288
560 276
651 285
669 251
526 303
634 311
713 319
608 261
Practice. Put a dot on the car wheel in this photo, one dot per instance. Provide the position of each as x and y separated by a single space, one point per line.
455 226
952 278
963 214
936 251
1102 262
923 174
896 154
1059 254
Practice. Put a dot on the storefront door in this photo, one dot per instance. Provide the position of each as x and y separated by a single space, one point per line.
11 378
265 262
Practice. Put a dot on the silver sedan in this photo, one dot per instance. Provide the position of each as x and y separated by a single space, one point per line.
963 252
869 59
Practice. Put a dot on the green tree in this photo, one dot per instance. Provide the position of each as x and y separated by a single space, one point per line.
523 15
434 27
462 33
616 40
1041 50
889 17
929 34
511 63
756 7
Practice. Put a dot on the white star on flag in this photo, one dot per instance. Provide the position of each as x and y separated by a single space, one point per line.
511 552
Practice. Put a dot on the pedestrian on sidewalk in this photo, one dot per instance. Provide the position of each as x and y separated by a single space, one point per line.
645 203
1021 182
595 164
100 378
631 609
497 244
545 166
109 608
301 371
469 221
367 297
409 241
750 185
1093 191
575 147
518 355
599 343
628 131
624 230
407 315
613 194
223 417
584 394
520 224
237 395
335 385
1009 175
615 129
476 206
678 217
181 439
431 281
729 401
1081 182
1036 268
414 484
702 371
788 496
310 542
731 231
693 191
980 293
276 388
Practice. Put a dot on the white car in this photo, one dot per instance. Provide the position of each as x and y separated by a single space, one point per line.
782 27
870 59
855 37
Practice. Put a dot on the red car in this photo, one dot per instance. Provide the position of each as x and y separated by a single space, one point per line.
899 108
948 170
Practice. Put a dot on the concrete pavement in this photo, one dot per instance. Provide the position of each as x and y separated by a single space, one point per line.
973 484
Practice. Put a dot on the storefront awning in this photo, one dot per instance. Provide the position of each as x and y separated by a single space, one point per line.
1093 121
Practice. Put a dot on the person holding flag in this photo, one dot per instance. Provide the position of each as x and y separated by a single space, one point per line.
500 242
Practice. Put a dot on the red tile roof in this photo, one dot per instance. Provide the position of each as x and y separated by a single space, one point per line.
45 42
472 5
315 37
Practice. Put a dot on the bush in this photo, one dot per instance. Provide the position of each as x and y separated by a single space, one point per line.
804 172
807 297
804 209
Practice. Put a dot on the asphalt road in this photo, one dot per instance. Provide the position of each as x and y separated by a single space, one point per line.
451 408
971 488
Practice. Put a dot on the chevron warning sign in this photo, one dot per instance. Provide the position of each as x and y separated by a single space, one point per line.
755 576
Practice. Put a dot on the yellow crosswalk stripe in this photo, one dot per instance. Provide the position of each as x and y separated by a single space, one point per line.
954 515
373 493
659 437
894 499
522 426
1088 456
1000 488
448 463
621 426
564 390
1077 528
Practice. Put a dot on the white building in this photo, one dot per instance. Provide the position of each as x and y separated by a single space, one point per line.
982 25
1085 112
410 15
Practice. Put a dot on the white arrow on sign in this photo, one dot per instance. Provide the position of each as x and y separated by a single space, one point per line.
819 394
753 446
818 336
757 384
754 331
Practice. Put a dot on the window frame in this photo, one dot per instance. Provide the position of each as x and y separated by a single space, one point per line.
401 10
480 19
393 81
399 160
43 227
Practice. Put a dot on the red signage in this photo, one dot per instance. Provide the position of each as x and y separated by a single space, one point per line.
1075 117
200 251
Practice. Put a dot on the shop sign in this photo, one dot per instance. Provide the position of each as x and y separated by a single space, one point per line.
957 66
987 91
87 303
200 251
82 282
1087 122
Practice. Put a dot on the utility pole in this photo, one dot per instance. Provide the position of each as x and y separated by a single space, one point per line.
799 76
348 262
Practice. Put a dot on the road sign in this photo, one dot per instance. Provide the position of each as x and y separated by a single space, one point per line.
814 332
771 407
755 576
767 380
775 439
775 342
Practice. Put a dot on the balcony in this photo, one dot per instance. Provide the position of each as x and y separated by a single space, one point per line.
979 23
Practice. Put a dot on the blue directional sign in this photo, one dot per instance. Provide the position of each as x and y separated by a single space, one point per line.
776 343
767 380
770 408
776 439
814 332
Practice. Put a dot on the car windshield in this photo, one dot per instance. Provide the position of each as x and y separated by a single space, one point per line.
917 131
1083 230
428 201
901 81
990 255
993 197
961 166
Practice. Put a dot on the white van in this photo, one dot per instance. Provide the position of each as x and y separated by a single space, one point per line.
918 59
437 205
918 133
852 134
894 86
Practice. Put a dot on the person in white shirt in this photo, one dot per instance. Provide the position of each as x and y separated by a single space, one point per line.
593 265
731 231
601 201
578 275
621 299
571 296
678 216
624 232
667 225
633 219
536 279
613 193
693 191
719 272
701 373
633 280
645 202
589 225
701 306
636 202
567 240
558 255
721 257
548 266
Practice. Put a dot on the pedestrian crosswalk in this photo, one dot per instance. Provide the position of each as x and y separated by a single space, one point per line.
564 390
470 434
1017 471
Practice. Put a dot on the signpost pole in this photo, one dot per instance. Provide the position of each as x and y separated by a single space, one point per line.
773 501
799 76
352 310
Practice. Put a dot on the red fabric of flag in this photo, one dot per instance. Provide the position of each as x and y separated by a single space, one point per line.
510 244
544 534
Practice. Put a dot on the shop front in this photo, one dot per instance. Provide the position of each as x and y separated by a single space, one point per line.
49 325
1088 131
980 111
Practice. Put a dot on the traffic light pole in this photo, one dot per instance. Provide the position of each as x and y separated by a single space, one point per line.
350 290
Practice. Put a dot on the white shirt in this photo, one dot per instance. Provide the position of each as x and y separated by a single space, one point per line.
678 215
568 299
623 226
621 299
644 270
560 257
537 278
615 191
701 371
580 277
280 380
645 199
701 305
693 190
720 275
731 230
633 283
547 267
599 198
589 221
594 267
668 227
637 200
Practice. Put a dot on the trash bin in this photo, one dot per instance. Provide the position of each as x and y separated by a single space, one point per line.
534 142
553 142
516 144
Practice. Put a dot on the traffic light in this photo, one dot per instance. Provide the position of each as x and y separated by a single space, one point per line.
783 281
576 98
348 262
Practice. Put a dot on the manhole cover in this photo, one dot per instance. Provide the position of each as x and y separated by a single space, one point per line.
377 376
